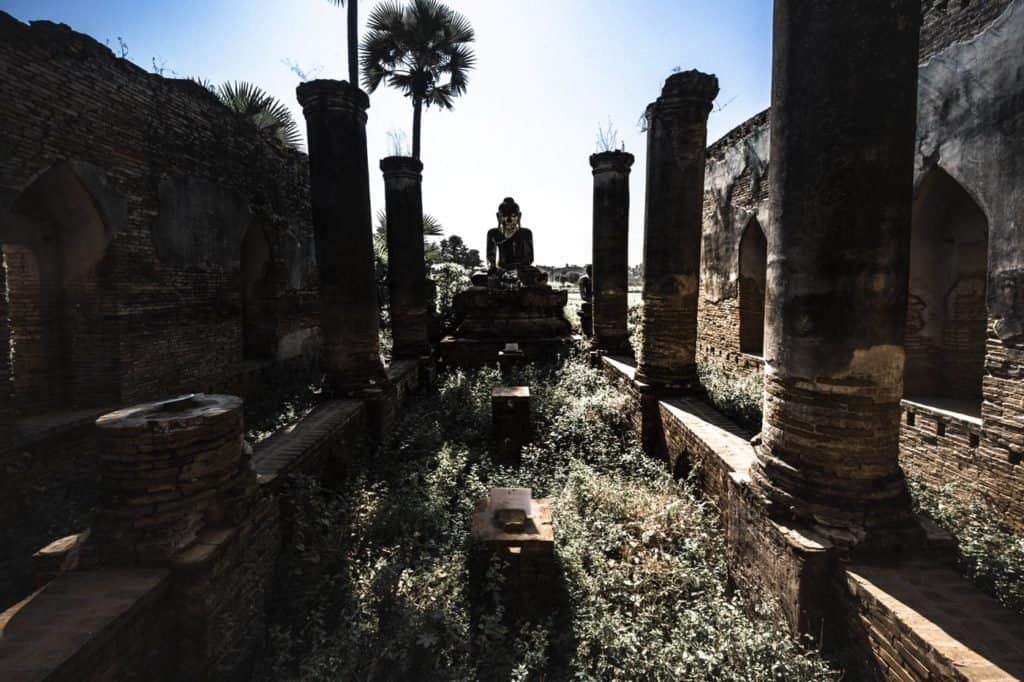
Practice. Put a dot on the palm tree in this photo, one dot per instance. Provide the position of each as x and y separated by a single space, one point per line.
413 47
268 114
353 38
431 228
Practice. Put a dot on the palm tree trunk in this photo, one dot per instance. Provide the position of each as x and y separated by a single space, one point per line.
353 38
417 110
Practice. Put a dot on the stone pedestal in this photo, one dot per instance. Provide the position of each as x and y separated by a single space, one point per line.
611 250
335 114
842 142
406 268
532 317
528 556
676 139
510 421
168 468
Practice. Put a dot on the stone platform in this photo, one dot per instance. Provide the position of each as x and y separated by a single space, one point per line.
532 317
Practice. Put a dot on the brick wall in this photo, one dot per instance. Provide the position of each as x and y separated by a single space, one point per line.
167 167
951 21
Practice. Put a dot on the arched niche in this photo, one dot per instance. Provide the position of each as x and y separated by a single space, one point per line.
946 312
259 319
53 240
753 267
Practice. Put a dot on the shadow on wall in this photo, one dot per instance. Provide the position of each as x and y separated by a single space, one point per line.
52 242
946 313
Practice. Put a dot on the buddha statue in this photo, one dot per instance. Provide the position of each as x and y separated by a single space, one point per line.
509 251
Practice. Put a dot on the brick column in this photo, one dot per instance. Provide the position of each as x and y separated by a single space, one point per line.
676 138
169 468
842 144
340 184
611 242
406 269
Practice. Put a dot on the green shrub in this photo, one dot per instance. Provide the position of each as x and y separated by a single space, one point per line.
450 278
375 576
989 554
739 398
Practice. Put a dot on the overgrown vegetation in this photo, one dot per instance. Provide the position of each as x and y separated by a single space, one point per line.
989 554
278 409
739 398
377 578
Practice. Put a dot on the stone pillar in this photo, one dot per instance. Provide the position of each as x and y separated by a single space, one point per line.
340 184
510 421
676 138
406 268
842 144
611 250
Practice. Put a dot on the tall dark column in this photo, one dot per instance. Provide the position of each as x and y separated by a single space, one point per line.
611 250
340 182
844 85
677 134
406 269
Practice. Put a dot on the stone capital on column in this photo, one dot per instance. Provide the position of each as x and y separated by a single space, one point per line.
324 96
613 161
401 167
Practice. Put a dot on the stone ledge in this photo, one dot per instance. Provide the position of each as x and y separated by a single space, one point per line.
923 621
304 445
73 628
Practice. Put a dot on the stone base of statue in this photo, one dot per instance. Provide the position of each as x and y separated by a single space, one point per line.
532 317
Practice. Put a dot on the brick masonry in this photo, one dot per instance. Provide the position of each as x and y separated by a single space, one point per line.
152 185
969 39
901 618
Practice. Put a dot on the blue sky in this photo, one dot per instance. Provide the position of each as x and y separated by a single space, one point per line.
548 73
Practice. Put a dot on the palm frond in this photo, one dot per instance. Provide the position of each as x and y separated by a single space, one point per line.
268 114
414 47
432 226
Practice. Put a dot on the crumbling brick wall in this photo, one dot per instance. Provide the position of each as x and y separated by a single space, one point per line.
176 179
125 198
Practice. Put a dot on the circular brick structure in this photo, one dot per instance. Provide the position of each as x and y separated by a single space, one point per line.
165 466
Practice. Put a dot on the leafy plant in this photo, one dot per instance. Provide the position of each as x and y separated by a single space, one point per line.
737 397
450 278
265 112
990 554
377 572
414 48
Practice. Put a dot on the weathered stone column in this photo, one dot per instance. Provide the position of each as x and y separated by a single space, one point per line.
406 269
340 183
842 143
677 134
611 250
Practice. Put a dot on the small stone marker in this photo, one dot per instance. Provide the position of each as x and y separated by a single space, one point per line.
510 421
511 508
510 524
510 356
